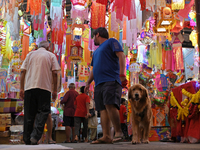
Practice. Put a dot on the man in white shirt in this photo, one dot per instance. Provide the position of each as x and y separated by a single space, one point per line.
36 73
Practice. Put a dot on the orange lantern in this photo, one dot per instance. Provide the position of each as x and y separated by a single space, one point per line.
76 53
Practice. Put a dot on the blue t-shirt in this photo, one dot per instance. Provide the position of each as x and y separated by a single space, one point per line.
106 63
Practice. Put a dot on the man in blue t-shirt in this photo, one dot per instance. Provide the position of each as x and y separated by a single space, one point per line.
108 73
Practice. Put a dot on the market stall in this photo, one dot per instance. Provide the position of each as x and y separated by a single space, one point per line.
159 39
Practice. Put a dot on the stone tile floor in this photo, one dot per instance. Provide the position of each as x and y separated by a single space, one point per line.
116 146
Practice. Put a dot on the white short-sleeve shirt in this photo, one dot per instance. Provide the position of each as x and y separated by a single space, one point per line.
39 65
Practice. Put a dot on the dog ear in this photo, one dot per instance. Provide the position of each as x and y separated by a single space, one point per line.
146 93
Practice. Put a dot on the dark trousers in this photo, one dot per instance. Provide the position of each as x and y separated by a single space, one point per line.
36 110
124 130
77 125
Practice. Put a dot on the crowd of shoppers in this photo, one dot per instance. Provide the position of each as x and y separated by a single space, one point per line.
108 73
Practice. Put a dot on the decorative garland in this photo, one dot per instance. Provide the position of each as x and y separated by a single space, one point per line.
184 111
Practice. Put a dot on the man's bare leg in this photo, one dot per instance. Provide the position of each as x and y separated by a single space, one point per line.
115 119
49 129
105 124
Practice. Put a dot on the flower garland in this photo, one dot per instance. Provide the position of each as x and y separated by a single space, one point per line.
184 111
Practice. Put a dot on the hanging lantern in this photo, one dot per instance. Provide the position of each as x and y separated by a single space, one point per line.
77 30
83 72
193 37
178 4
166 23
15 47
134 68
79 4
76 53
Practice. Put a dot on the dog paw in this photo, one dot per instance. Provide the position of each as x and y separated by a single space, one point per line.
134 142
146 142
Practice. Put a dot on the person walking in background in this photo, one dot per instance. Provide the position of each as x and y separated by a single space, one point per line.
108 73
92 120
35 88
123 117
69 110
81 114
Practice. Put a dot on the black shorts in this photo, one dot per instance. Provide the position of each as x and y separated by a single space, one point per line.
107 93
68 121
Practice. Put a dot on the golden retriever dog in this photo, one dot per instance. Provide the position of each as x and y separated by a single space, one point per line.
141 113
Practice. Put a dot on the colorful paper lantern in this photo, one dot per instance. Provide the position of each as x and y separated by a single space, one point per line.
178 4
76 53
165 24
194 37
134 67
78 2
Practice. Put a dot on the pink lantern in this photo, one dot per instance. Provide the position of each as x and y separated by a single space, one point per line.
78 2
161 82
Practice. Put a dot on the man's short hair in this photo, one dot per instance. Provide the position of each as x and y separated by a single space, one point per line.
44 44
102 32
72 85
82 89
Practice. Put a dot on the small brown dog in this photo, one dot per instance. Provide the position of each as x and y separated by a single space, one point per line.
141 113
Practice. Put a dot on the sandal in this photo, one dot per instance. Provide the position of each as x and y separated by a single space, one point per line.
118 139
66 142
99 141
51 142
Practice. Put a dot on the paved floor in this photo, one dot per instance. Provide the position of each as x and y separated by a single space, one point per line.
116 146
129 146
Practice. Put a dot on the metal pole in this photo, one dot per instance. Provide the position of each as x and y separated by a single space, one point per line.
197 6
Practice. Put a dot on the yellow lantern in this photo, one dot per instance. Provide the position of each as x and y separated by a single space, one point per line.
193 38
178 4
165 24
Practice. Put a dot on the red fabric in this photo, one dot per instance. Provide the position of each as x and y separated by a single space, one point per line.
191 127
172 121
126 8
163 59
98 12
57 36
68 100
122 110
80 103
25 46
143 4
104 2
184 12
177 27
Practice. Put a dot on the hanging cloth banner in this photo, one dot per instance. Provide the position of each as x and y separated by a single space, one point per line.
188 54
97 11
3 75
35 7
